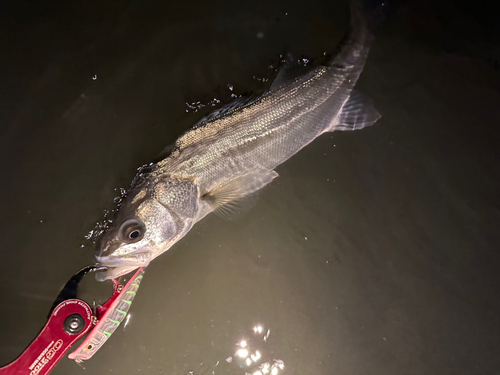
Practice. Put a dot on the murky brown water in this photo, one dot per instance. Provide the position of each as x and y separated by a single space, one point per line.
375 252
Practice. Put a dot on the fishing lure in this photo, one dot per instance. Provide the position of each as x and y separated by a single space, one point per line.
114 315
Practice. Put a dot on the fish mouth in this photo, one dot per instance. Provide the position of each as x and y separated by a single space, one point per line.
113 273
119 266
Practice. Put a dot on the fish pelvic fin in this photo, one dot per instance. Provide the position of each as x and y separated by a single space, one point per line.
357 113
233 198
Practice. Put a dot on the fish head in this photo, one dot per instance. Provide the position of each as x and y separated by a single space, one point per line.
148 222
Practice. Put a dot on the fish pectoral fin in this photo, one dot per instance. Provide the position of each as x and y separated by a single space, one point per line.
233 198
357 113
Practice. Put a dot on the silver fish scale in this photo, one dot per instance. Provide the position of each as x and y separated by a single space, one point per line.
260 136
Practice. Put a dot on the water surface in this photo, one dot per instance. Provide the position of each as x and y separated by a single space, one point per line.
374 252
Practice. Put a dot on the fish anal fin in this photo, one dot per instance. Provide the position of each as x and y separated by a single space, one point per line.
233 198
357 113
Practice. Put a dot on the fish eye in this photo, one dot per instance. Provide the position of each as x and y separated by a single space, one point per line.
134 234
132 231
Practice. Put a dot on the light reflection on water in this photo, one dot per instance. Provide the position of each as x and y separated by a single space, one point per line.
250 355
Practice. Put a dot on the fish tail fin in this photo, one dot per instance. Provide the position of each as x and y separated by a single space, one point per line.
365 16
357 111
374 10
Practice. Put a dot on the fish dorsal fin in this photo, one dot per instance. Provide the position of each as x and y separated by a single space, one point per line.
358 112
167 150
235 197
236 104
291 69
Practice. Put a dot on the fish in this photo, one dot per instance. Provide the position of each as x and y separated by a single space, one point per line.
231 154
